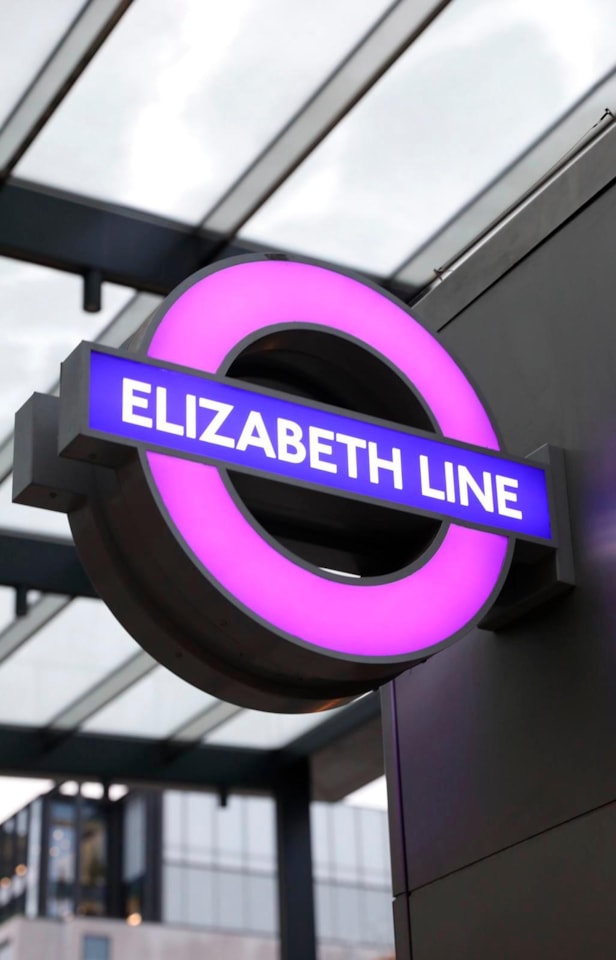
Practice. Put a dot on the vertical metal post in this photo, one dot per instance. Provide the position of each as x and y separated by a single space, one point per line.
399 872
43 902
114 818
153 880
78 828
295 887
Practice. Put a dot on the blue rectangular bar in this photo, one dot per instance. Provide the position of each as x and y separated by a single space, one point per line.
238 426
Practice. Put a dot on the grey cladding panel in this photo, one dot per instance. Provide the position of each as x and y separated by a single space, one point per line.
550 898
504 736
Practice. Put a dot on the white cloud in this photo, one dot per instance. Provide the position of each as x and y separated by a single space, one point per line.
18 792
372 795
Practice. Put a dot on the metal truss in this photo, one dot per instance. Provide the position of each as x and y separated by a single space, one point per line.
72 755
123 246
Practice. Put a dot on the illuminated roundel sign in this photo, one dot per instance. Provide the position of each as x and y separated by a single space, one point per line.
272 408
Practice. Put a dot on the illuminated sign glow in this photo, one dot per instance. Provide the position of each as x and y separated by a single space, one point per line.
250 429
399 616
222 579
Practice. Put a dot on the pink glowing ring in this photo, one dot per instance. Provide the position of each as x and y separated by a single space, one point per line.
359 621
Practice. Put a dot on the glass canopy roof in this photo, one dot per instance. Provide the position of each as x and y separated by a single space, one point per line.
388 136
41 321
184 96
483 83
29 35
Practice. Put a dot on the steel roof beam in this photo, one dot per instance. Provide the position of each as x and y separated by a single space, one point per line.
125 246
131 760
42 563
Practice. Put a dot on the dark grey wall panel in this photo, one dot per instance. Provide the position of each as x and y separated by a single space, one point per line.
504 736
550 897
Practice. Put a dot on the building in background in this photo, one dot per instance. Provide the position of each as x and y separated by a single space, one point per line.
84 876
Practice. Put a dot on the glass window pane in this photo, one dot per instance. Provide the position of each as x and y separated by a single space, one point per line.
199 884
229 832
200 836
134 839
325 911
474 91
18 792
260 833
348 910
174 817
230 900
7 606
182 97
62 849
68 655
261 904
374 846
30 31
153 707
322 849
376 917
344 838
93 860
96 948
252 728
34 858
174 894
15 516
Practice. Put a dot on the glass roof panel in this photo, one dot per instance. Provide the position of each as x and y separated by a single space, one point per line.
153 707
7 606
16 516
30 31
71 653
183 96
41 321
587 119
474 91
268 731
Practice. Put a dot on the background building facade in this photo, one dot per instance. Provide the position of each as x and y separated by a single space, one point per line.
205 870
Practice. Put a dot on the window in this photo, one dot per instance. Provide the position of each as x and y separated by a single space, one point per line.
62 843
34 858
94 948
93 859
